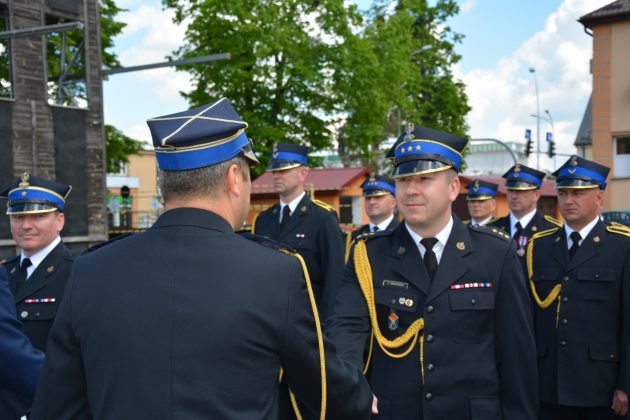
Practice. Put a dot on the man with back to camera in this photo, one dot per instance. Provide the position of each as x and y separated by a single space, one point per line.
20 363
379 199
309 226
38 275
580 285
441 306
200 320
481 201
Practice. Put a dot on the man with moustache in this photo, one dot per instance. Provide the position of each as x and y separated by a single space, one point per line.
441 306
38 275
379 195
481 200
189 320
580 286
522 187
309 226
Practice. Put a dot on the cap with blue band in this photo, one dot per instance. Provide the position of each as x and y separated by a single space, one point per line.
521 177
481 190
31 194
200 137
377 185
287 156
580 173
423 150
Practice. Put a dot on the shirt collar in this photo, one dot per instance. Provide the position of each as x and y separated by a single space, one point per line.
473 221
293 204
524 220
39 256
583 233
442 236
383 225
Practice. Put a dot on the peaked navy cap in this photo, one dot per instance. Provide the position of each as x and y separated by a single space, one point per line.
31 194
377 185
481 190
287 156
200 137
580 173
423 150
521 177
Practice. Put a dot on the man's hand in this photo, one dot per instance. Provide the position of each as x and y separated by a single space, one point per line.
375 404
619 402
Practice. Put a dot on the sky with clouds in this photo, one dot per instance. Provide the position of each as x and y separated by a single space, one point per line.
503 39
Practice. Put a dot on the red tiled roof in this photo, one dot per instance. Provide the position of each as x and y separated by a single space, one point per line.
323 179
548 188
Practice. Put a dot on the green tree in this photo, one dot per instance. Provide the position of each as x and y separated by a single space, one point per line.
397 69
279 76
119 148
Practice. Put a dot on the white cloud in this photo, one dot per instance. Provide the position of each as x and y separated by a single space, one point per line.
467 6
503 97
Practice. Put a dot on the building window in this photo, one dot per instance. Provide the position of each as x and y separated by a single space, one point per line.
6 87
345 209
622 157
65 60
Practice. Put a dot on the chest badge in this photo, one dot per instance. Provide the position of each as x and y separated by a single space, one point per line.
51 269
392 321
461 246
534 228
596 239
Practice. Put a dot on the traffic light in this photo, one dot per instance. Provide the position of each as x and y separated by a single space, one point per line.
551 151
528 147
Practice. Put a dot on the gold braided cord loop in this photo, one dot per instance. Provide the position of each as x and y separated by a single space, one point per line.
555 292
348 245
364 277
320 341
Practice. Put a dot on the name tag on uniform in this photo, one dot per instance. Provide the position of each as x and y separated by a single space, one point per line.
395 284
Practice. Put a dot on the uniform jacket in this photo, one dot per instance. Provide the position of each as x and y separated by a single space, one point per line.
479 360
538 223
314 233
20 364
48 281
187 320
582 360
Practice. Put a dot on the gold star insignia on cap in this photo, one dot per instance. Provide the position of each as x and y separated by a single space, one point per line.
23 193
418 147
402 150
410 149
51 269
25 177
461 246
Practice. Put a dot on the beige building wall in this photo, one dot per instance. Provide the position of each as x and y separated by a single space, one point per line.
611 103
144 167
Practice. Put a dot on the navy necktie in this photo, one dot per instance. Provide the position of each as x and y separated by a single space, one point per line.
430 259
22 273
575 243
286 213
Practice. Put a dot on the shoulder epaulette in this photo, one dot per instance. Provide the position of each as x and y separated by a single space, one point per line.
618 230
105 243
553 220
3 262
371 235
269 243
466 222
545 233
323 205
492 231
620 226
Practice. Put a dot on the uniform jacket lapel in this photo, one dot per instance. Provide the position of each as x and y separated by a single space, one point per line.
559 250
532 226
410 265
590 246
453 264
46 268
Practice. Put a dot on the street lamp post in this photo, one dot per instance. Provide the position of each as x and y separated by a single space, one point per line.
533 71
553 133
422 49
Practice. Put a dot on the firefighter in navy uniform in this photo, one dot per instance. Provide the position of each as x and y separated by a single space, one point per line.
38 275
481 200
309 226
580 285
449 330
379 195
524 220
189 320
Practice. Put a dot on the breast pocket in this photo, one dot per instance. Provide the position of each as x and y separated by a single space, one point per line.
596 284
37 311
398 299
472 314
